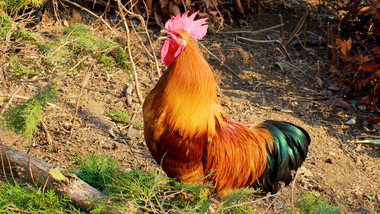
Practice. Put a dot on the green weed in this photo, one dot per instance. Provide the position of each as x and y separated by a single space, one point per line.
96 170
80 41
24 118
228 204
16 5
149 191
122 117
16 199
14 29
312 204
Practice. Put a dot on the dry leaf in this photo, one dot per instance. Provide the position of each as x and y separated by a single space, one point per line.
366 100
333 88
319 82
374 121
334 69
364 9
343 47
338 103
368 66
349 44
173 9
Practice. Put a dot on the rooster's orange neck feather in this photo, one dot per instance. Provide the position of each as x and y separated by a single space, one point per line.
185 96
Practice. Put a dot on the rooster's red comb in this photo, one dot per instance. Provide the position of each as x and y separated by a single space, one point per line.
197 29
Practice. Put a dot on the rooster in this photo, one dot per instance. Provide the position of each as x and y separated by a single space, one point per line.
193 139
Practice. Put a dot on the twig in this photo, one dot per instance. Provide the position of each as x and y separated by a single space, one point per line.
286 51
30 170
253 32
258 41
27 98
22 83
11 99
368 141
142 43
129 145
128 93
121 10
147 35
90 12
2 163
63 45
292 198
251 202
85 80
344 149
299 26
275 198
47 179
368 135
47 133
18 210
9 165
282 29
213 55
294 66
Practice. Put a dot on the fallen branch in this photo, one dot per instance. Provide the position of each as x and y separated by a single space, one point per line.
29 169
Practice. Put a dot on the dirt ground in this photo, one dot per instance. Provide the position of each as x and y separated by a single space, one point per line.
256 82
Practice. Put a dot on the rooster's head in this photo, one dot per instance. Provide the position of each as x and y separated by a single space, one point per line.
181 29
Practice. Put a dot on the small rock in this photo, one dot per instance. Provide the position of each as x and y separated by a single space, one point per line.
328 160
133 132
305 172
362 107
67 126
331 153
65 23
112 133
278 205
351 121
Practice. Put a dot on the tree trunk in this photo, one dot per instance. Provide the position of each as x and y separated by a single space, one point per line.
33 170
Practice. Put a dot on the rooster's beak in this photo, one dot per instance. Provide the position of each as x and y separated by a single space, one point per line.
164 34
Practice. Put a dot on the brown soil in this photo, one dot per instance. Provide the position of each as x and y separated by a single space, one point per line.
252 88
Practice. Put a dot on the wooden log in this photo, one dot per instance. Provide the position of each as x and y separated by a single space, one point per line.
33 170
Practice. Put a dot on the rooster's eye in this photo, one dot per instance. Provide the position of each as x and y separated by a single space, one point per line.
178 35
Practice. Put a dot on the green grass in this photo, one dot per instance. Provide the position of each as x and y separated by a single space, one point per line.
14 30
129 190
144 190
14 6
123 117
78 41
312 204
24 118
95 170
17 199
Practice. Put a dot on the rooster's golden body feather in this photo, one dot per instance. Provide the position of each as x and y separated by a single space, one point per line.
190 136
